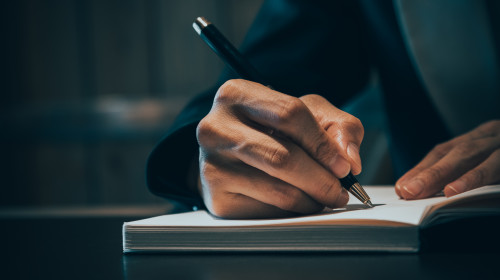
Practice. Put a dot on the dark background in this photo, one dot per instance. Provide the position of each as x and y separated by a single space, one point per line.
88 88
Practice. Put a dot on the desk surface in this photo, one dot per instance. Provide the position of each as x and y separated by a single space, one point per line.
89 246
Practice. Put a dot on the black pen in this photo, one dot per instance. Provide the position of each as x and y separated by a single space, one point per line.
241 66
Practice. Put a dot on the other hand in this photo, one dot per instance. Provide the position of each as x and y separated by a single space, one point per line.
267 154
466 162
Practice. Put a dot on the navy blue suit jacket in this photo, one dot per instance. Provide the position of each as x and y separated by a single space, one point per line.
321 47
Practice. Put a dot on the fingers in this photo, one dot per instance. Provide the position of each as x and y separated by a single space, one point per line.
286 161
430 159
488 129
346 129
289 116
242 192
238 206
448 162
276 172
484 174
264 153
281 159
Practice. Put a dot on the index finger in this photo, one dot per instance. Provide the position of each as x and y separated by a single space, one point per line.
344 128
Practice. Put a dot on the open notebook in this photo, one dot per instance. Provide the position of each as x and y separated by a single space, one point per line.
392 225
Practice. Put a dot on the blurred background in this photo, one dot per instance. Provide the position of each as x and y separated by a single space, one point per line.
89 87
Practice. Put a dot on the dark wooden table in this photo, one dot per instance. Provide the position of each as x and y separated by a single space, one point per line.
88 245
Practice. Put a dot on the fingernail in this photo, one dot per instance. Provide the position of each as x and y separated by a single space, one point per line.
398 188
457 187
340 167
353 153
414 187
399 193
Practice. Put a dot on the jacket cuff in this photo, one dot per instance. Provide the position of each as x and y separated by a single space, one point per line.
169 163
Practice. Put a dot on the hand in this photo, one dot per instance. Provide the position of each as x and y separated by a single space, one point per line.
466 162
267 154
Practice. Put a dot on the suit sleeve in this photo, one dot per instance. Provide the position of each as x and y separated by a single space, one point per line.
300 47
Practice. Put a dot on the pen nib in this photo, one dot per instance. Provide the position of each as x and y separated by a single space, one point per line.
369 203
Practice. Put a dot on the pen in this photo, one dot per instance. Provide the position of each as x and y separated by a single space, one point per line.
241 66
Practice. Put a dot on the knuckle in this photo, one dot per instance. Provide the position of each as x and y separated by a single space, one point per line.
434 174
228 91
496 125
354 126
487 129
279 157
327 191
290 108
246 146
205 131
289 199
476 177
440 150
324 148
355 122
490 126
466 148
315 98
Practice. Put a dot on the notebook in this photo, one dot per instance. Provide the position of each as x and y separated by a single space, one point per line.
393 225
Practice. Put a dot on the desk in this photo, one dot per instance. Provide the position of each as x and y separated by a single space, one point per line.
89 246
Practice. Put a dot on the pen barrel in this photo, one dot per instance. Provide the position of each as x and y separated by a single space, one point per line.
351 184
348 181
230 55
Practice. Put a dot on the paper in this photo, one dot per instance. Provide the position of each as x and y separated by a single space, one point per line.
391 226
389 207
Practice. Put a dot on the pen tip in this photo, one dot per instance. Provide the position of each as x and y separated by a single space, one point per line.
369 203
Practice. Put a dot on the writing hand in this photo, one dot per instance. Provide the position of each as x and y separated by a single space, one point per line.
267 154
466 162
